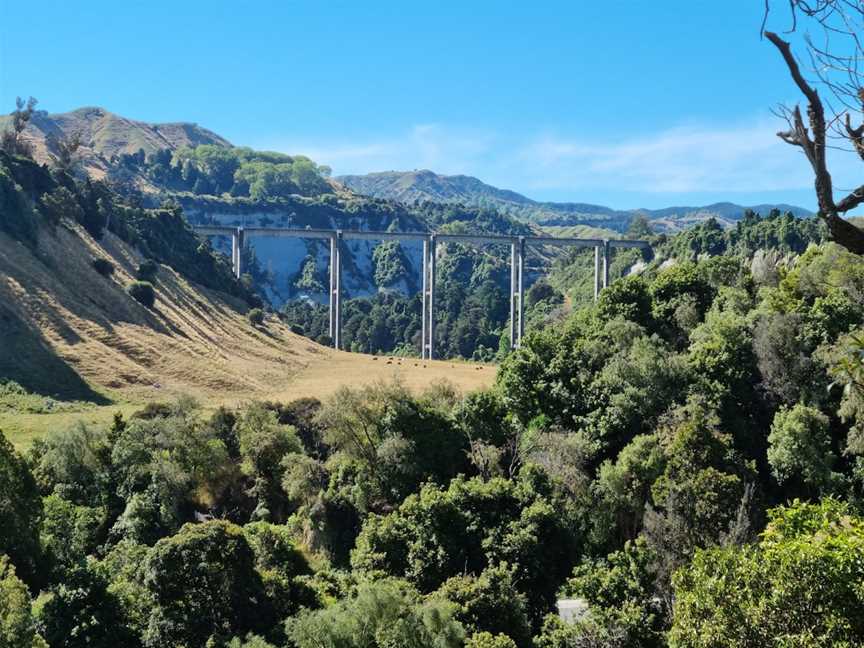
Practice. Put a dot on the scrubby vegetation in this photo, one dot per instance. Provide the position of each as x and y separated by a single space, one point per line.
103 266
684 455
34 198
142 292
147 270
255 316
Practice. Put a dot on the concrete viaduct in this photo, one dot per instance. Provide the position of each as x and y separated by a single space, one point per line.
518 244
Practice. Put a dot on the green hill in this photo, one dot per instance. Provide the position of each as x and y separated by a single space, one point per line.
417 187
105 135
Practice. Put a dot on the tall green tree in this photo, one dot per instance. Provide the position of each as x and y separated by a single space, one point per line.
20 514
204 584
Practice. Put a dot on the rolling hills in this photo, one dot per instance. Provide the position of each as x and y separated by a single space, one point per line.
416 187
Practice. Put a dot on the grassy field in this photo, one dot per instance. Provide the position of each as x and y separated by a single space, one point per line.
22 423
83 349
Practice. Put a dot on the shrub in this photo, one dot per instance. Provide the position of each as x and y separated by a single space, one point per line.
103 266
202 581
82 611
385 612
16 619
799 448
255 316
800 585
488 640
142 292
147 270
297 329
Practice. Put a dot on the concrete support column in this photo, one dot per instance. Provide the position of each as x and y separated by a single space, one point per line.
514 283
241 242
424 294
337 293
431 322
521 289
596 272
606 262
331 299
235 253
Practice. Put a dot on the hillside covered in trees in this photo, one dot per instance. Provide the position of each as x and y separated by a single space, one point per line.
419 187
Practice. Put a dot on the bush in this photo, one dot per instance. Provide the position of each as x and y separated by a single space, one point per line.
103 266
800 585
16 619
488 640
297 329
202 581
385 612
255 316
142 292
147 270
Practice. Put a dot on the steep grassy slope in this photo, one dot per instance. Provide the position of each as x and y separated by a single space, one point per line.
105 135
70 334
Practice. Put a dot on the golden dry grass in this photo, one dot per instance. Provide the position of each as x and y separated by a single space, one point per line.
69 332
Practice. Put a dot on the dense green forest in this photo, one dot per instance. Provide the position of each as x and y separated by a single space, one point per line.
684 455
210 169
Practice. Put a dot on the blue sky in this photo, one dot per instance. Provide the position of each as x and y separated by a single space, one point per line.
621 103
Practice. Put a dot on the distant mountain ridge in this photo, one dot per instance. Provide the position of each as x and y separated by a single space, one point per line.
415 187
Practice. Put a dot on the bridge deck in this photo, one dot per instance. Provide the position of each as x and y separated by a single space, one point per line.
282 232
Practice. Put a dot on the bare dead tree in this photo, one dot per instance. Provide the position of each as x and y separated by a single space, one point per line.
11 140
834 54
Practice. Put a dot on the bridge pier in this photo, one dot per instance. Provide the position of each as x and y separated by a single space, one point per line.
237 242
331 301
424 271
521 290
606 263
513 283
517 291
335 301
429 249
596 272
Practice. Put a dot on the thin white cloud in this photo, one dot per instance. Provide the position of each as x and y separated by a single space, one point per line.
744 157
685 159
425 146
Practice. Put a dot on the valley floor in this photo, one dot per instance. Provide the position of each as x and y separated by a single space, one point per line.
320 377
83 349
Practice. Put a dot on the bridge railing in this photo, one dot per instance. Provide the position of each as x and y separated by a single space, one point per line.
430 240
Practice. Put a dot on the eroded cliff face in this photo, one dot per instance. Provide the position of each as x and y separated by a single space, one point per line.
278 265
